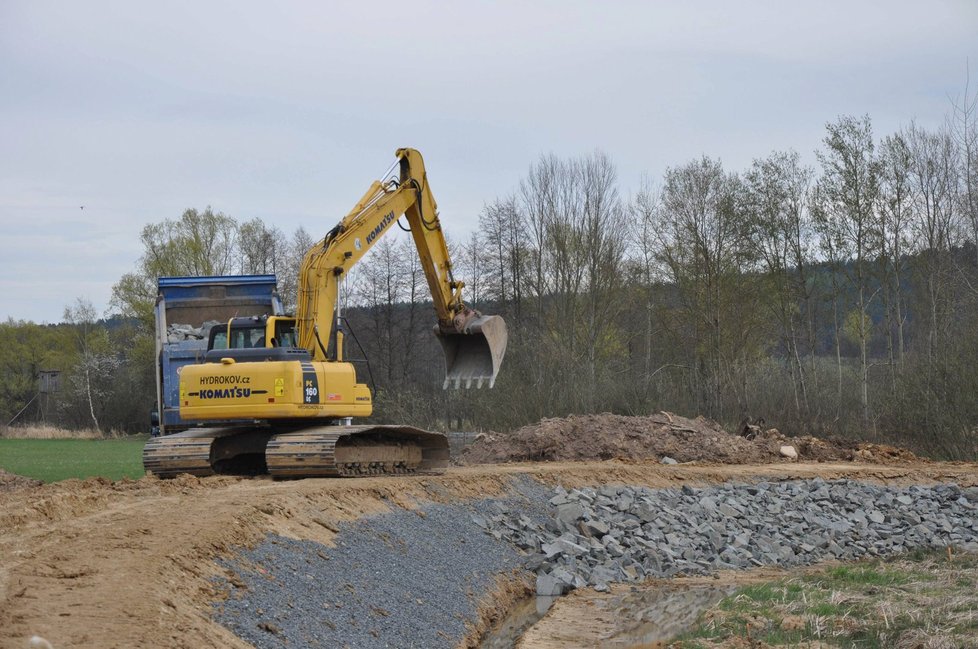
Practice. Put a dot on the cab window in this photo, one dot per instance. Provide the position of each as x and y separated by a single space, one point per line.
247 338
219 339
285 333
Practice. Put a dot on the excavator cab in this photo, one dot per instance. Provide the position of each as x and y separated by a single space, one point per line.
253 333
255 338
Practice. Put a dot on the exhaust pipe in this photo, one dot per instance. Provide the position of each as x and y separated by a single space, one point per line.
473 351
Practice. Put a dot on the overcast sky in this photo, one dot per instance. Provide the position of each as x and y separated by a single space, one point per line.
286 111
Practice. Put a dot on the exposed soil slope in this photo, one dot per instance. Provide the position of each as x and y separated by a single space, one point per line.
607 436
12 481
131 563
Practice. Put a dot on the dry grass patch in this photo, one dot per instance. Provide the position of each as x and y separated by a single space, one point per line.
924 600
53 432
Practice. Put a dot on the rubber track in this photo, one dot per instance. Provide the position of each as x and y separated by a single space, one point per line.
317 452
172 455
306 453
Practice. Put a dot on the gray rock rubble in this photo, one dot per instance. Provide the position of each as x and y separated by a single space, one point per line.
176 333
627 534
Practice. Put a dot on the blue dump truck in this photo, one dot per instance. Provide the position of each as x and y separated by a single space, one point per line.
187 312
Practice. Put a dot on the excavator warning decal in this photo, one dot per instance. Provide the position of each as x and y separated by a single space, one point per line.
310 383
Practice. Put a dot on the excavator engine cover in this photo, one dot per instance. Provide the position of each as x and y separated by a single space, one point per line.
475 353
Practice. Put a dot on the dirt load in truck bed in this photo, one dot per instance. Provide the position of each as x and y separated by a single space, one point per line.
607 436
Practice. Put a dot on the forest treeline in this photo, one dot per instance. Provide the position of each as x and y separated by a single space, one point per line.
833 299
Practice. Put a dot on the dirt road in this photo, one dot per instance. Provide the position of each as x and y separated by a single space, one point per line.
92 563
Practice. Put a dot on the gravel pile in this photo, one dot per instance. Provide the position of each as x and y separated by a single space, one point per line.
626 534
399 579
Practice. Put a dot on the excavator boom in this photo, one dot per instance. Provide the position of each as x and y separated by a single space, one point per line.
474 344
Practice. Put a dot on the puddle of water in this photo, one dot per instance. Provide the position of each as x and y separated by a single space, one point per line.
643 616
647 616
524 615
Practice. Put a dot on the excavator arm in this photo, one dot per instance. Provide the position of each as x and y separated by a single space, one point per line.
474 344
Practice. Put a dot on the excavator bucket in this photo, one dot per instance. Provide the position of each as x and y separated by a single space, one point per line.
475 354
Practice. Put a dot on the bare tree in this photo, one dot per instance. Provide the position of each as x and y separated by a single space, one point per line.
93 372
605 233
933 178
781 231
849 187
287 269
703 248
894 211
380 285
472 267
539 199
577 232
835 258
645 219
415 288
261 249
963 127
504 230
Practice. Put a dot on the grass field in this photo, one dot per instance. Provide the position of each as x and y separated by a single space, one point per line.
57 459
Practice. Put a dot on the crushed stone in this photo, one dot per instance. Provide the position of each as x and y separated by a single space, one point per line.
406 578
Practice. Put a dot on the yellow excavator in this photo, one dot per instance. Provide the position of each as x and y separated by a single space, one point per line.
274 393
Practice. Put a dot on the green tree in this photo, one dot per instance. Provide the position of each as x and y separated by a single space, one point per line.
196 244
27 348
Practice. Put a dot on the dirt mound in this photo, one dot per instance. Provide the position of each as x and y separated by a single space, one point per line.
607 436
12 481
884 454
